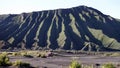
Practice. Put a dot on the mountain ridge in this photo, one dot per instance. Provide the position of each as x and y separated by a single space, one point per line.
80 28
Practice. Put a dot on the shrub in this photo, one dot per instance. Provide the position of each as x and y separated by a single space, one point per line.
4 53
20 64
14 54
29 56
108 66
4 60
43 56
23 53
49 54
75 64
26 55
38 55
115 54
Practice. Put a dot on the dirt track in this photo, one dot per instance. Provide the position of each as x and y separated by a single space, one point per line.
64 61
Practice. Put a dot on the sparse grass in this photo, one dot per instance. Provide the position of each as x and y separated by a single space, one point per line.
22 53
49 54
15 54
20 64
38 55
115 54
75 64
43 56
32 54
4 60
108 65
106 54
27 55
112 54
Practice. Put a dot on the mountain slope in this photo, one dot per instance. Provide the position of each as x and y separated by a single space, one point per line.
79 28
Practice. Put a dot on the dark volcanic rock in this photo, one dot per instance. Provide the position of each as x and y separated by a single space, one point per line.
79 28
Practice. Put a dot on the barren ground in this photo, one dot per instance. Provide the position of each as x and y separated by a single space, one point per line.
64 60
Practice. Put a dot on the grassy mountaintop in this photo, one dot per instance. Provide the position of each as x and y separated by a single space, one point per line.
78 28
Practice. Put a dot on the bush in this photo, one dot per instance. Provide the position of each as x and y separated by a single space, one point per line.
14 54
115 54
26 55
43 56
49 54
108 66
75 64
4 60
23 53
20 64
38 55
29 56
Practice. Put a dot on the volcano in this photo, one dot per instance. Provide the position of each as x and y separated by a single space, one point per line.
77 28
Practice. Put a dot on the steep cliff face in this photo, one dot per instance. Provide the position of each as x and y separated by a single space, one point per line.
79 28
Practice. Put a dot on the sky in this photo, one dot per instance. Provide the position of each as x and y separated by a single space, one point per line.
108 7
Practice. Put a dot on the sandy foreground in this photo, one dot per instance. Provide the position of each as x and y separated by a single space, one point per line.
64 60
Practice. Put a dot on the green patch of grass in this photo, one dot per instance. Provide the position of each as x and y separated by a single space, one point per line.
4 60
115 54
15 54
75 64
43 56
29 56
38 55
20 64
109 65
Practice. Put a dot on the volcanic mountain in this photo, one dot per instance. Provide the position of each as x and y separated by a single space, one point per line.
78 28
